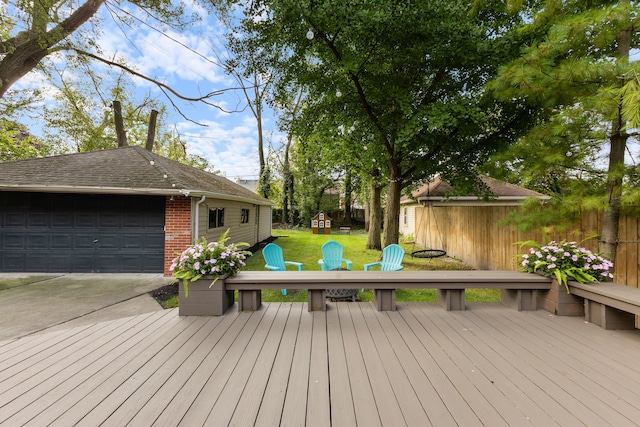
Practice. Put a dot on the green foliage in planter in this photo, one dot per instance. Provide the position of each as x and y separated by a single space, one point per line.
564 261
209 259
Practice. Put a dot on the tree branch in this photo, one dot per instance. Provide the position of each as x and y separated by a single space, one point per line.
164 87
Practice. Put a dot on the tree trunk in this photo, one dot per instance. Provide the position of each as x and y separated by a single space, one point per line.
121 134
290 189
611 216
392 211
287 183
366 216
265 177
22 57
375 212
151 134
347 197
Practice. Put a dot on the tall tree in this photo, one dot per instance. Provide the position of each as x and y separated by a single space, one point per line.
578 55
16 143
255 87
35 30
290 112
410 73
82 118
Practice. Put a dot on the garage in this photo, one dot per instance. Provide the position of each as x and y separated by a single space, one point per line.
81 233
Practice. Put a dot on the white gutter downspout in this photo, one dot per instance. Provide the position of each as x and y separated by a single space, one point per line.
197 217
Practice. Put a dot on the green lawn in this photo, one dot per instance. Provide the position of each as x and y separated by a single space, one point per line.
304 246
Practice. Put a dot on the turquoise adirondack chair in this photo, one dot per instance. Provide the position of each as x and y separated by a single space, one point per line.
392 257
274 259
332 256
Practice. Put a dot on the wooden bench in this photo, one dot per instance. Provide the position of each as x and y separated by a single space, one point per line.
609 305
518 289
346 230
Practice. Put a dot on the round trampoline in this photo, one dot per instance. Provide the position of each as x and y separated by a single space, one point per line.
428 253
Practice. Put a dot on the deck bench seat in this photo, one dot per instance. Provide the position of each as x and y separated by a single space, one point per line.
518 289
609 305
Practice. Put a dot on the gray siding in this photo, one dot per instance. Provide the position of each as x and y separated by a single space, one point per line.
232 213
265 223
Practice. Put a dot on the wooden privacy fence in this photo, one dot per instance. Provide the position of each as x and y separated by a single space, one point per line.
473 234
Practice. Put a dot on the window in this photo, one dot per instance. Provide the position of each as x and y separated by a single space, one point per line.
405 216
216 217
244 216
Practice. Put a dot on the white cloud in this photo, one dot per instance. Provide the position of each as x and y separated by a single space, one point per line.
230 147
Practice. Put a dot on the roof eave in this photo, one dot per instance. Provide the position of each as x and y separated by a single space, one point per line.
90 190
209 194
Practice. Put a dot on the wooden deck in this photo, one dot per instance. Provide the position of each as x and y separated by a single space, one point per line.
348 366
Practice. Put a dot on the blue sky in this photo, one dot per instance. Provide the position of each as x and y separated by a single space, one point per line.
187 61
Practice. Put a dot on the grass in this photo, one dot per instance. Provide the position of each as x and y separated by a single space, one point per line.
305 247
169 303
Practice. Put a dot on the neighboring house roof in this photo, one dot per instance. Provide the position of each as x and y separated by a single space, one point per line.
249 184
438 190
124 170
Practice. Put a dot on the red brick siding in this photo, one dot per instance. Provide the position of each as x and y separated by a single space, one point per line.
177 236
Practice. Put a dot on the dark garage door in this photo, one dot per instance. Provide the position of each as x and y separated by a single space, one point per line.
42 232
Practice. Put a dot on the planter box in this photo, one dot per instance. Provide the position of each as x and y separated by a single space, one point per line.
204 300
557 301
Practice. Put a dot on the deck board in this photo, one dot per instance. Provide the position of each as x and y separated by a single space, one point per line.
248 405
350 365
342 412
431 401
410 406
223 409
294 411
387 401
270 411
364 401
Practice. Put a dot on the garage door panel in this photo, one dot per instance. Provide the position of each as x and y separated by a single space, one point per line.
38 241
155 221
110 219
15 219
130 220
38 262
61 241
61 220
86 220
37 219
13 262
106 262
80 263
155 241
132 241
13 240
84 241
130 264
107 241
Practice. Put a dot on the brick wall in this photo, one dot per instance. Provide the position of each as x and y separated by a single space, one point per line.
177 235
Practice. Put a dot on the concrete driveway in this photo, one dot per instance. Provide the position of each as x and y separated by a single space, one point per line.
31 303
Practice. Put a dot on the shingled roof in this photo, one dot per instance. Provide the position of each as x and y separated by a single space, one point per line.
438 190
124 170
